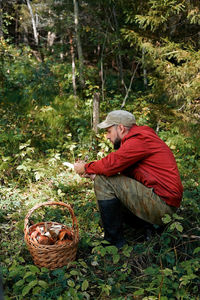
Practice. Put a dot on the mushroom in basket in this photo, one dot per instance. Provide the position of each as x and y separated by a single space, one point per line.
41 236
48 234
65 236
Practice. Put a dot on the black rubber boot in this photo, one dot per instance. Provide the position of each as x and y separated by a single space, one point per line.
110 211
132 220
145 228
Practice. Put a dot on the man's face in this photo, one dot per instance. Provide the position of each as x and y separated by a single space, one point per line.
112 135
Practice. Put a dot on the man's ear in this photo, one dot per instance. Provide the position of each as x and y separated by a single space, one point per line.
121 128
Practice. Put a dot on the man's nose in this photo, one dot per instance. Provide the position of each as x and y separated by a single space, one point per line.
108 138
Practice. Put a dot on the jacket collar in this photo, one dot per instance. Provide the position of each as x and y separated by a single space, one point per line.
130 133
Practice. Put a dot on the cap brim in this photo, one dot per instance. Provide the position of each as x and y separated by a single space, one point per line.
104 125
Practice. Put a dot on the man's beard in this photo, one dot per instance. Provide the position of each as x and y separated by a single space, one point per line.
117 143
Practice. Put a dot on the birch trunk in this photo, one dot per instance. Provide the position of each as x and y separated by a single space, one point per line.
78 41
35 33
73 63
1 20
96 101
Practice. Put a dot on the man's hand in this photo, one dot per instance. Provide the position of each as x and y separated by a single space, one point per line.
79 168
91 176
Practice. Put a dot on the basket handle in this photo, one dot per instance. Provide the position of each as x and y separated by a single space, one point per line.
74 221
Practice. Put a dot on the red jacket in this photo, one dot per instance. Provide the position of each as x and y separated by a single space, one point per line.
146 158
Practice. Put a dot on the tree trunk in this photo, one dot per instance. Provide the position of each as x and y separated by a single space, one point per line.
102 70
17 25
35 33
144 69
50 38
2 49
25 34
78 41
96 101
1 20
102 78
73 63
129 88
120 65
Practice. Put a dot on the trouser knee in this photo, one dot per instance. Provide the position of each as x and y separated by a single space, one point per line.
102 187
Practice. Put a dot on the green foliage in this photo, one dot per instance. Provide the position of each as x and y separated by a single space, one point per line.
43 124
167 265
170 58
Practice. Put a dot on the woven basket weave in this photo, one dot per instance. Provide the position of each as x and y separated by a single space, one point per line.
52 256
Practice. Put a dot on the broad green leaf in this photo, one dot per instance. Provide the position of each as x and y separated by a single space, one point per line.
139 292
112 249
45 270
26 290
102 251
176 225
172 226
196 250
107 288
179 227
127 251
27 274
84 285
20 282
83 264
116 258
34 269
21 259
33 283
86 295
166 219
36 290
177 217
28 287
43 284
74 272
71 283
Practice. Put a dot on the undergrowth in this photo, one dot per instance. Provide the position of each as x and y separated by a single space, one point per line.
155 264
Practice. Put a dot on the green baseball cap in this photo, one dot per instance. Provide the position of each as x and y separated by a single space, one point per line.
117 117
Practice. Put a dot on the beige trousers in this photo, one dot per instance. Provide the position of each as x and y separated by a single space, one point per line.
140 200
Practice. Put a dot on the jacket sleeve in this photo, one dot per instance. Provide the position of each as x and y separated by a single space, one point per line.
131 152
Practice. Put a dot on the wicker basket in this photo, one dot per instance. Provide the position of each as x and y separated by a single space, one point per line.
52 256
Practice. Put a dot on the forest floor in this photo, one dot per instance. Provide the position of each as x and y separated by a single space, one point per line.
154 264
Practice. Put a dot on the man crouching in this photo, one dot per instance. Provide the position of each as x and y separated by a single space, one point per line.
141 174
